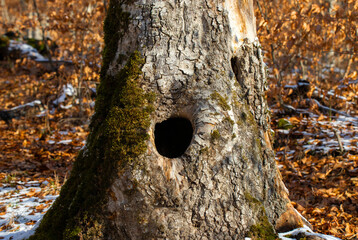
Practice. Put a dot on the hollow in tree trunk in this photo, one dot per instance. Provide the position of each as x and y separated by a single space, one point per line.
180 144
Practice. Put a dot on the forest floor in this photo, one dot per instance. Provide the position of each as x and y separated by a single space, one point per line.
38 149
322 179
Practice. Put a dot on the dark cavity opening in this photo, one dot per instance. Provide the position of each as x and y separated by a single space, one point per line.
235 68
173 137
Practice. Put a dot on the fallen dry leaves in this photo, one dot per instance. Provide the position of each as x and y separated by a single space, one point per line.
36 151
322 180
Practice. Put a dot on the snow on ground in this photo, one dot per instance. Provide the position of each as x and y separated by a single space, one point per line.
30 104
22 205
26 50
67 91
307 232
321 135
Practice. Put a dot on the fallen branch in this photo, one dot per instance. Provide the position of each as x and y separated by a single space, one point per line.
17 112
328 109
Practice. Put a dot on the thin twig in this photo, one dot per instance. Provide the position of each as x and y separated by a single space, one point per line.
341 148
39 18
348 69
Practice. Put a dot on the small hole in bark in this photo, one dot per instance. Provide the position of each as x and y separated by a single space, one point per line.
234 66
173 137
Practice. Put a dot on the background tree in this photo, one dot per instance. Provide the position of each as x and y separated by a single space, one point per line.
180 142
311 40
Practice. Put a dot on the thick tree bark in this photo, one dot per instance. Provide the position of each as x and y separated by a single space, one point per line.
198 64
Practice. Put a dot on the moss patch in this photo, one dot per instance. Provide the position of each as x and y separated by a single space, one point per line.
263 229
4 44
284 124
215 135
251 200
115 26
258 144
221 100
204 150
4 41
229 120
118 136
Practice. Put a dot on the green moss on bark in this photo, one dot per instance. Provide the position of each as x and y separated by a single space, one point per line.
115 26
118 136
263 229
229 120
215 135
251 200
221 101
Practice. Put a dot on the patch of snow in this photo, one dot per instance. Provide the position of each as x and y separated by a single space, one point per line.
61 99
291 86
307 231
42 113
66 107
65 142
67 90
26 50
322 137
317 92
22 206
84 142
30 104
284 131
94 90
45 183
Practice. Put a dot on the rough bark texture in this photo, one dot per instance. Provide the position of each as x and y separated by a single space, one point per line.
225 186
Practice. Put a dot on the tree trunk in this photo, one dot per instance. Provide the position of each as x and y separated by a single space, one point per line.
180 142
5 13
